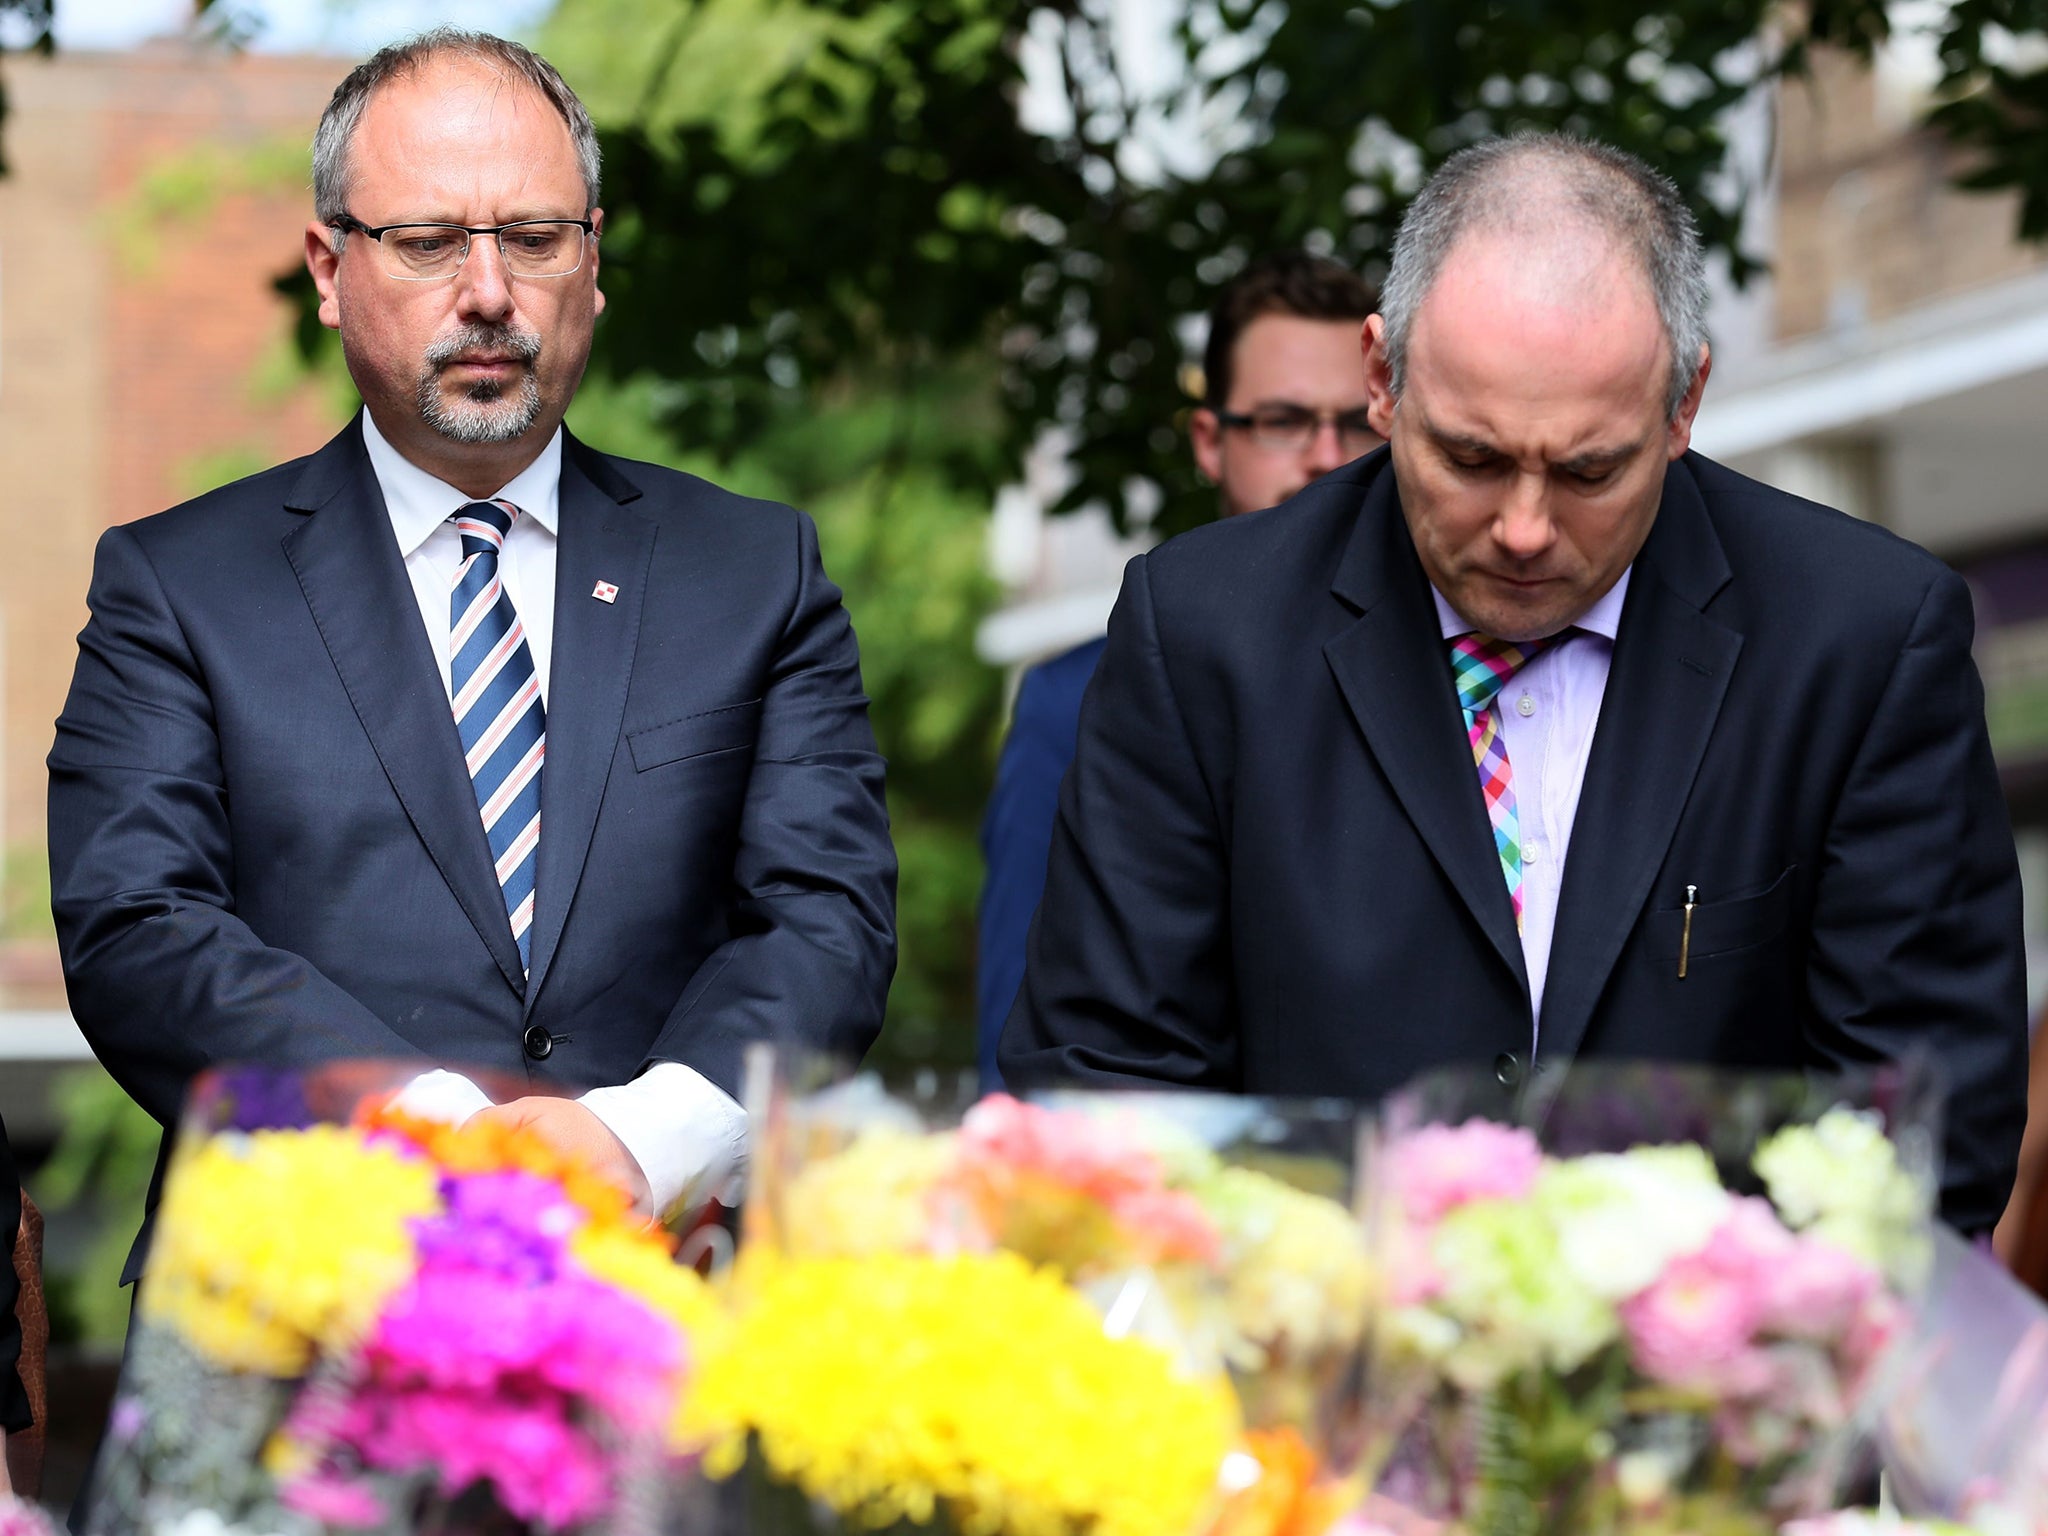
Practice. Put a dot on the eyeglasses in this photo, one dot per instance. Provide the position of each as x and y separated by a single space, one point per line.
1291 428
418 253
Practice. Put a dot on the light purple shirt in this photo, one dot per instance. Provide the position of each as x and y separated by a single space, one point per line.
1548 714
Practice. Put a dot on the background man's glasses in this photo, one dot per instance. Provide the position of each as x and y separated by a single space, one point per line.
421 252
1291 428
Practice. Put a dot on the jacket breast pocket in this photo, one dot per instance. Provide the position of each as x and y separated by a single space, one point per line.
1743 921
729 729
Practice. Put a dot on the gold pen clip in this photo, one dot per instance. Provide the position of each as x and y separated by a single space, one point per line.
1685 933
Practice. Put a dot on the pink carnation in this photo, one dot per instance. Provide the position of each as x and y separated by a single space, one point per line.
18 1517
1441 1167
1817 1291
1695 1323
1015 1163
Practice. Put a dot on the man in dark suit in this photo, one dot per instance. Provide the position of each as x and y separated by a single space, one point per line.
1283 405
1340 810
458 739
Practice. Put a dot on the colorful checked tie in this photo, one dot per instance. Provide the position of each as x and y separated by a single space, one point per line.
1482 667
497 708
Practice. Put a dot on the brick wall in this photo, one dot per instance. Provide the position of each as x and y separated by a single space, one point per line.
153 197
1868 224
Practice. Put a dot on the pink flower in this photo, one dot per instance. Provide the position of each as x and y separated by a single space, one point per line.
334 1500
1440 1167
1023 1169
1817 1290
1696 1320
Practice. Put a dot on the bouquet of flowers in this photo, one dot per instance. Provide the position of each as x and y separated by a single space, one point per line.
1612 1326
1015 1317
357 1320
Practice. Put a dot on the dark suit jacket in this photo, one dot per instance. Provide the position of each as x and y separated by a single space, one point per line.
1273 872
264 845
1016 833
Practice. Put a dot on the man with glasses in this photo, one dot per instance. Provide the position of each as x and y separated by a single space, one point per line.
459 740
1284 403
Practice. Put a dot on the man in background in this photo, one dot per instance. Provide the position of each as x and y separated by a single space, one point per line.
1284 403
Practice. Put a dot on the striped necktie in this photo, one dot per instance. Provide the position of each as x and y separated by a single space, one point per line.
1482 667
498 713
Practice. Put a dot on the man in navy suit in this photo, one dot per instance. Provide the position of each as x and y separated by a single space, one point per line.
1536 735
1285 403
459 740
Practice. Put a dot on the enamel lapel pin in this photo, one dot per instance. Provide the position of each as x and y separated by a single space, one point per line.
605 592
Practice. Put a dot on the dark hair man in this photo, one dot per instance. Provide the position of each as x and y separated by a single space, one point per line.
1536 735
458 739
1283 403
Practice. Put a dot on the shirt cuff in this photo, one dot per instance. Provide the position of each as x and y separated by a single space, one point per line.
441 1095
686 1134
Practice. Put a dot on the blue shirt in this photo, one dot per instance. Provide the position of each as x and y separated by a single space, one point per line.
1016 832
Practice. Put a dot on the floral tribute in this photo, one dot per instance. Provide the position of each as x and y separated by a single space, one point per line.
392 1323
1622 1340
1046 1319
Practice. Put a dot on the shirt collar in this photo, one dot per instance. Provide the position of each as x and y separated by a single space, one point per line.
1603 618
419 503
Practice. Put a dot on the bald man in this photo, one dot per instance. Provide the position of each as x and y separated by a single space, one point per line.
1535 735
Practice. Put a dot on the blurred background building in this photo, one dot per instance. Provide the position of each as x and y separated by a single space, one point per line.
1893 362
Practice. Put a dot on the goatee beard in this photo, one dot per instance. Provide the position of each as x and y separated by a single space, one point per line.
486 412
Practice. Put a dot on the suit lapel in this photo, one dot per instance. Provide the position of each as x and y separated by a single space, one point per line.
600 541
1391 667
1672 666
347 561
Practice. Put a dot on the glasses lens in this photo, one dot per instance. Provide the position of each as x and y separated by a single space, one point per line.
1283 426
542 249
1355 428
424 250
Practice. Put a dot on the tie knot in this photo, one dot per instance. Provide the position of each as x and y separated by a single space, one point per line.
484 524
1482 665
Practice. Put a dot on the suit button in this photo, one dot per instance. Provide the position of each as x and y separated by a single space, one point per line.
1507 1067
539 1043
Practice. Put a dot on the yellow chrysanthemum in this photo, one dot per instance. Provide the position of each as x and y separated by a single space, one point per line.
275 1244
639 1263
894 1385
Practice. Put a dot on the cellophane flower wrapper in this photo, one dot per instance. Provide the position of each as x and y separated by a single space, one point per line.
1963 1427
1651 1299
356 1320
1004 1317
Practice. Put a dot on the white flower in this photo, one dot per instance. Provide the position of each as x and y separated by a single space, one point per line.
1841 1177
1621 1218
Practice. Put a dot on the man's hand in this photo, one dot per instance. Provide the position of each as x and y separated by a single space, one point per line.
574 1129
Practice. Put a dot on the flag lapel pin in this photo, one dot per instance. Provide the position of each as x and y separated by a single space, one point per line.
605 592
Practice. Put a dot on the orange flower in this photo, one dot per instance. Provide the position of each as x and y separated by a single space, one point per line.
1287 1498
486 1146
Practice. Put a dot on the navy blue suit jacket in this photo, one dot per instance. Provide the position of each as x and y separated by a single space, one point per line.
264 844
1016 832
1273 872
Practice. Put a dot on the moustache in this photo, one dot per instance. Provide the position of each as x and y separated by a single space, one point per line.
502 339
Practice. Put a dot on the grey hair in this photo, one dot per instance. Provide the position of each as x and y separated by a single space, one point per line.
1542 178
344 112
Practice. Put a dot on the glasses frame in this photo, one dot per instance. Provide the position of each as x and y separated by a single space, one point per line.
1249 423
350 224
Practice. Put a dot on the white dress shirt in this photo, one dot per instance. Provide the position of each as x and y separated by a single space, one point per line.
680 1127
1548 713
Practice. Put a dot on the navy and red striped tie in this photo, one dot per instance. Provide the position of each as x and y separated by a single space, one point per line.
496 694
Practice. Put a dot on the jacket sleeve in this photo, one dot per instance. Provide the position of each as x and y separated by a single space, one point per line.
1016 837
812 915
163 978
1128 968
1916 945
